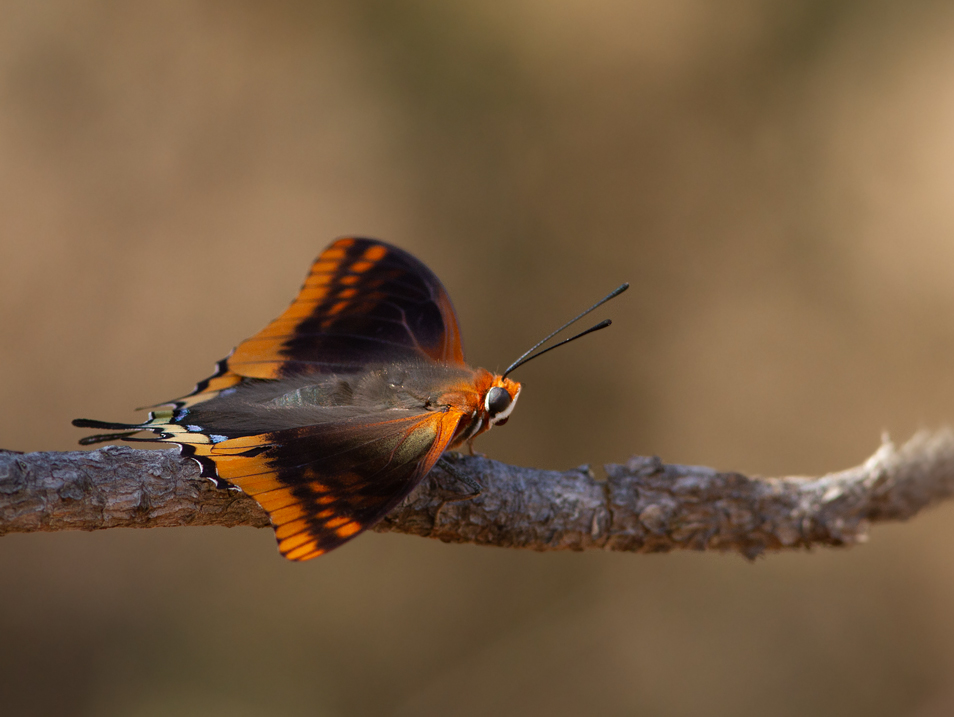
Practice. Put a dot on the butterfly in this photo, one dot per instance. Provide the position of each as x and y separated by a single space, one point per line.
337 409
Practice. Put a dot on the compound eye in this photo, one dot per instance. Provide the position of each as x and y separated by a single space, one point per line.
498 400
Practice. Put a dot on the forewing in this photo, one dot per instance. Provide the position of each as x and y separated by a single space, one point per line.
323 484
363 302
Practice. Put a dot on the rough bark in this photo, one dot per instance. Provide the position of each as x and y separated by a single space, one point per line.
643 506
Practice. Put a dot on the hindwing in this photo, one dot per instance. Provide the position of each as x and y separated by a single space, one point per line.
323 484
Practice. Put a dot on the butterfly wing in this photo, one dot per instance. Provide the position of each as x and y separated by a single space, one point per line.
326 456
323 484
364 301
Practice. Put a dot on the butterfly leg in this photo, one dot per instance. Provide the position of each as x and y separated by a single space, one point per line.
470 448
468 482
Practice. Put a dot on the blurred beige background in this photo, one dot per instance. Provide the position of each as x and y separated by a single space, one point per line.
777 181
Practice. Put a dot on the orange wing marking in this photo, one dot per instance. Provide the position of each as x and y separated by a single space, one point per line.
348 529
262 355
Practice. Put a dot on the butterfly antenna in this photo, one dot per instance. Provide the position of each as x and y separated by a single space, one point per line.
528 355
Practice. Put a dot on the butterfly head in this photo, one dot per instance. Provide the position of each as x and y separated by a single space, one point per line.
485 403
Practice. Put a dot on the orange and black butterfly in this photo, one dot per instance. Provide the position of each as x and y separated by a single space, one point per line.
333 413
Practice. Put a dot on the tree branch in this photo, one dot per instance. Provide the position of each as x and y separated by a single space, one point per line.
643 506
